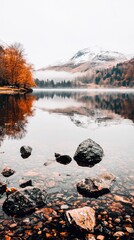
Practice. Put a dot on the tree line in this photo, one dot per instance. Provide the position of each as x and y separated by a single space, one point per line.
14 69
52 84
120 75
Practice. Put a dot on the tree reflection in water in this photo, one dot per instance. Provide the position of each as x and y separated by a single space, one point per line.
14 112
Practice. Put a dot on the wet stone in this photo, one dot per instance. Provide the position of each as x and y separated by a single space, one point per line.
97 186
7 172
100 237
13 225
122 199
84 218
90 237
129 229
25 151
1 228
63 159
64 206
3 187
119 234
23 202
88 153
26 183
117 220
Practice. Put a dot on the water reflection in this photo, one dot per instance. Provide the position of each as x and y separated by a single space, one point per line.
85 107
14 110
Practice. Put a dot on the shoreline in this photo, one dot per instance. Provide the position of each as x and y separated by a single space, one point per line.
84 89
11 90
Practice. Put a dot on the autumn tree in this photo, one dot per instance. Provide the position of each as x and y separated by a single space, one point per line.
14 67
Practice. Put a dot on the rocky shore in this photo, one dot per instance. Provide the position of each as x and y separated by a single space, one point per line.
97 210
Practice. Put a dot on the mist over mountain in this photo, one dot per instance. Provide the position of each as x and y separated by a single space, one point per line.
89 67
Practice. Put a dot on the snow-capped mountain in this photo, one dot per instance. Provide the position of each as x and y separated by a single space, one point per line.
88 59
95 55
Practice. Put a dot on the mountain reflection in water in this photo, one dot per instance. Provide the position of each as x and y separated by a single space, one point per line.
83 107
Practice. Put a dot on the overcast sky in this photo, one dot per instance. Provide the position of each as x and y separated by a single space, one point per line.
51 30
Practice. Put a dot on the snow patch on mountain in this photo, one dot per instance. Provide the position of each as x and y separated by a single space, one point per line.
95 55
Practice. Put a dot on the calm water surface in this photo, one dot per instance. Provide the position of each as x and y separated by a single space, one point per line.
57 122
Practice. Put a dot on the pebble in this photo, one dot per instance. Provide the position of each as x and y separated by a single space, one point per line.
1 228
13 225
64 206
90 237
117 220
119 234
129 229
26 220
100 237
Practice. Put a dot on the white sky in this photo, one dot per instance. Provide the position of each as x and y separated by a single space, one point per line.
51 30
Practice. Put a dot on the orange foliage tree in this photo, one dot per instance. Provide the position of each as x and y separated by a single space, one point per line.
14 68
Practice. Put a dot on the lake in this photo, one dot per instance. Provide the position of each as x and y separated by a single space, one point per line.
57 122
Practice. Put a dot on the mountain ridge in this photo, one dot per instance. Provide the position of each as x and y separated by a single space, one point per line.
89 59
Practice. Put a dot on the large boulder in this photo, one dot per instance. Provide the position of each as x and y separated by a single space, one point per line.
24 202
88 153
25 151
81 218
96 186
63 159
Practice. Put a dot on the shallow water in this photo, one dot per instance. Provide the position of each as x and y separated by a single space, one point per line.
57 122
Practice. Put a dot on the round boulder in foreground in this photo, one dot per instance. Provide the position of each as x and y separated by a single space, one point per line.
88 153
25 201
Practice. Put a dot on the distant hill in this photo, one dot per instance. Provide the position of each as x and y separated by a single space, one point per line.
121 75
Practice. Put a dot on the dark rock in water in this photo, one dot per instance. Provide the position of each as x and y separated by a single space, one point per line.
82 218
24 202
88 153
25 151
57 155
63 159
97 186
3 187
7 172
25 184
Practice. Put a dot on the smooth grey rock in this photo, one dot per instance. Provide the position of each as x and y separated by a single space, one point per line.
25 151
96 186
7 172
24 202
88 153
